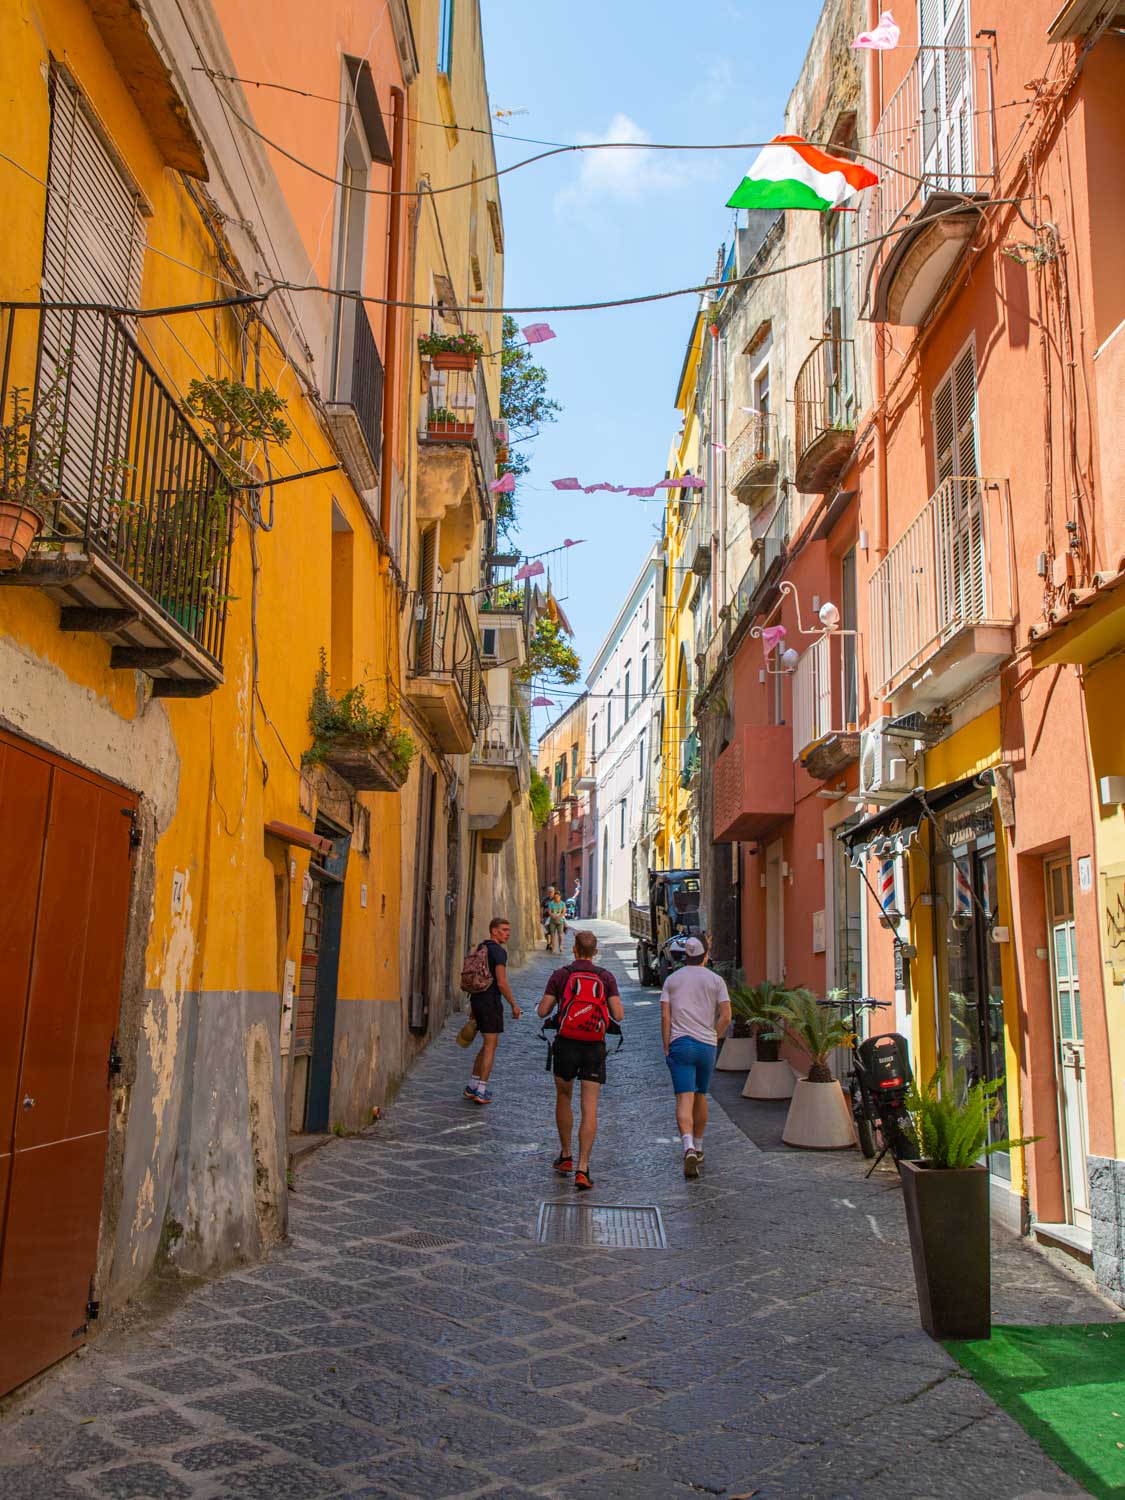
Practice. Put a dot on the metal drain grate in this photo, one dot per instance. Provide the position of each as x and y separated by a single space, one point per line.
625 1228
418 1239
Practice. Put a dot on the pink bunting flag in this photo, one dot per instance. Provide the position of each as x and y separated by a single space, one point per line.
590 488
566 484
666 484
576 543
772 636
645 491
691 482
529 570
538 333
542 703
616 489
504 485
881 39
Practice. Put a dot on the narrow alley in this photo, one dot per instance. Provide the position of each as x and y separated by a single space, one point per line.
412 1339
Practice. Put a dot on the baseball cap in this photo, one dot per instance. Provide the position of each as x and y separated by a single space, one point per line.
694 948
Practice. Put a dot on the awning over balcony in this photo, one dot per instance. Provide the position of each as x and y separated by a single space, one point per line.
893 829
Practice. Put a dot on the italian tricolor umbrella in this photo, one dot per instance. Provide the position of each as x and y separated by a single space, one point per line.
789 173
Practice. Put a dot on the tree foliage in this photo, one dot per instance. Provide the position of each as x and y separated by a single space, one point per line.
550 658
539 796
525 406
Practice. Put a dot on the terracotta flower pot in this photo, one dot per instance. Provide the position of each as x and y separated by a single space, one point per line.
947 1217
449 360
19 527
819 1118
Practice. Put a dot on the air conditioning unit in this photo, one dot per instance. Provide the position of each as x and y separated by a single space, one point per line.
884 764
500 429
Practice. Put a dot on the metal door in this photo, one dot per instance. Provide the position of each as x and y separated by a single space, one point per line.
1070 1049
329 877
65 844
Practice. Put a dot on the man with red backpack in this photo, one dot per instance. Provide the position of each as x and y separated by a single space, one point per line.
587 1001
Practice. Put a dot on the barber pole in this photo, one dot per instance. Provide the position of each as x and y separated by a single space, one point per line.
962 896
887 893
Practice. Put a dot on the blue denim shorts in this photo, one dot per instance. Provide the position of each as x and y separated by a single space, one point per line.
691 1064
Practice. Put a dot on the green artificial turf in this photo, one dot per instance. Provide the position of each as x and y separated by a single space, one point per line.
1065 1385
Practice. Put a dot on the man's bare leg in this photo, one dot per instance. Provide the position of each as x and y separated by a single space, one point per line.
588 1125
564 1113
482 1068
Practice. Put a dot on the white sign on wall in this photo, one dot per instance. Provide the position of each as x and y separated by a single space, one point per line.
818 938
287 992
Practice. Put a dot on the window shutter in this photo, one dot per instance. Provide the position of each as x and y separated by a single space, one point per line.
965 400
944 430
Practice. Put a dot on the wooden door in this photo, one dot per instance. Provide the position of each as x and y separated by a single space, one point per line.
65 843
1070 1048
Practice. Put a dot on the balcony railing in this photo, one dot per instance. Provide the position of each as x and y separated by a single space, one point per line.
500 738
824 414
356 408
697 545
753 457
502 595
936 138
824 693
458 412
768 550
690 759
138 494
951 569
443 646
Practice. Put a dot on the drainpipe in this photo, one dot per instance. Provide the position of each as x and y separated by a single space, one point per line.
390 362
713 477
874 112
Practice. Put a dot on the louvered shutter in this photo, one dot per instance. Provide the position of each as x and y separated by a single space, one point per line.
958 538
93 250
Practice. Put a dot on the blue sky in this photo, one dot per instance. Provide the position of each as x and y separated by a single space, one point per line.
612 224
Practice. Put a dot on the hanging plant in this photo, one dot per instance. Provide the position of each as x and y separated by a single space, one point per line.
431 344
358 742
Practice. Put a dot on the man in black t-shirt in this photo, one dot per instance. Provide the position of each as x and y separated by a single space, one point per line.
488 1011
577 1059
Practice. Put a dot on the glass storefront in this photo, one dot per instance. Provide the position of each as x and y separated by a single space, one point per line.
970 989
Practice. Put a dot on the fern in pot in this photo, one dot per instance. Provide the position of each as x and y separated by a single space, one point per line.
819 1116
770 1077
946 1198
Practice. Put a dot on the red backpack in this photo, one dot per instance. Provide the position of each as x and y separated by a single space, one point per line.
476 973
584 1009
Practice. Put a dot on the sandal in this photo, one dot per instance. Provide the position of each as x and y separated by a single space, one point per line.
564 1165
583 1181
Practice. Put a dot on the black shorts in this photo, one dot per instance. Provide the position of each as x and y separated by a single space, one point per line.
582 1060
488 1013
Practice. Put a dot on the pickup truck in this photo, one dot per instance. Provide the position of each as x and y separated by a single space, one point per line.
661 924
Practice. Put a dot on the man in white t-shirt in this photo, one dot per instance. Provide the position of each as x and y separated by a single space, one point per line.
694 1013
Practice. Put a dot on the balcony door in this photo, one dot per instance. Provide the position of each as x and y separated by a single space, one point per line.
1070 1048
958 535
946 88
351 251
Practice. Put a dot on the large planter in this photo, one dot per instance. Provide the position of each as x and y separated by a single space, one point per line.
19 526
769 1080
948 1220
736 1054
819 1118
462 431
448 360
365 767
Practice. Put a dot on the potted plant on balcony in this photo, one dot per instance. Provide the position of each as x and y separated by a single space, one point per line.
442 422
945 1193
819 1118
31 455
770 1076
451 351
358 742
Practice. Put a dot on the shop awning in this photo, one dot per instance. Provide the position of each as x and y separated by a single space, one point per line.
891 830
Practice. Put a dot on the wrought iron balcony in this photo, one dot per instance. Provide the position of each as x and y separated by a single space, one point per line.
500 740
825 736
444 678
824 415
356 409
691 759
753 458
936 141
697 546
766 562
137 541
457 412
505 610
942 600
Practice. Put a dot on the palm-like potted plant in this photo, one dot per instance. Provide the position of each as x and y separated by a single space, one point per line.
770 1076
31 455
819 1118
946 1197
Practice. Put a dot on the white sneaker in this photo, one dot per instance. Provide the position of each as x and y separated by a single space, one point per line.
691 1163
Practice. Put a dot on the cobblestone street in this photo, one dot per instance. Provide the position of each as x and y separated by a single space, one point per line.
413 1340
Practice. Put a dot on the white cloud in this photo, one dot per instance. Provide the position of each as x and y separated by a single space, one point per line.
621 176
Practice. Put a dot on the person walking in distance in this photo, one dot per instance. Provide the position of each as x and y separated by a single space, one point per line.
587 998
488 1010
694 1013
556 920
